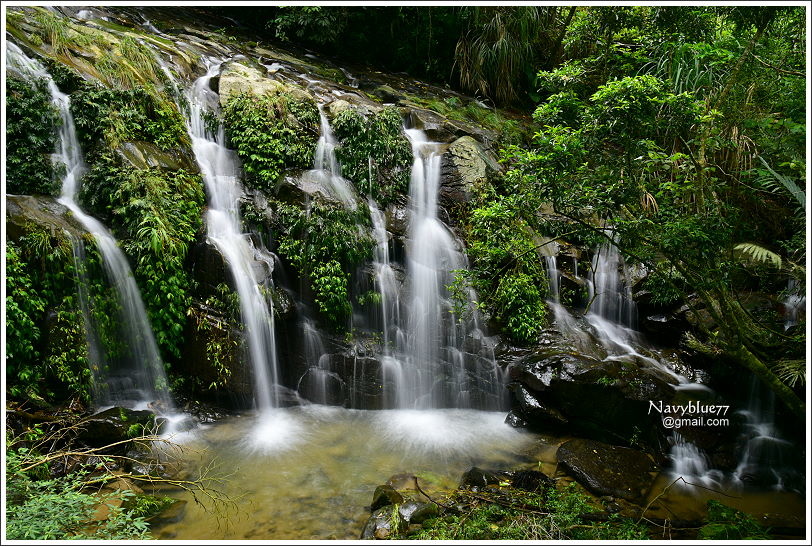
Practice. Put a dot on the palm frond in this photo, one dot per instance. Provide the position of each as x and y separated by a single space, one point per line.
787 184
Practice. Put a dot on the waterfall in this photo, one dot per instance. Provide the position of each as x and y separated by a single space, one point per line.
793 304
326 172
384 276
221 174
765 458
437 367
142 378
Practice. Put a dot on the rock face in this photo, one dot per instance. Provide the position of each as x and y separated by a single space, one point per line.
608 470
465 164
24 210
117 424
558 389
237 78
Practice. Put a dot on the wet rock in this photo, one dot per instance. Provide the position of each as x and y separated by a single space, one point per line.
24 210
418 512
515 420
607 469
143 155
385 495
530 480
476 478
237 78
171 514
382 523
117 424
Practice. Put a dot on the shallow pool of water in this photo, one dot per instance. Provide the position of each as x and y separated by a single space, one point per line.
309 472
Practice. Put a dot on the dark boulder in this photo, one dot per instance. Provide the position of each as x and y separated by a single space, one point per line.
607 469
117 425
385 495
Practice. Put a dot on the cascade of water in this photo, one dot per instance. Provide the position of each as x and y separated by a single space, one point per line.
317 361
384 276
435 370
688 462
793 304
142 378
765 457
326 173
221 174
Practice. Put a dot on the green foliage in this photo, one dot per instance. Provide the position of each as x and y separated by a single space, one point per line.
330 287
63 508
506 267
107 117
156 215
520 306
726 523
46 348
553 514
270 134
374 153
24 307
31 122
324 243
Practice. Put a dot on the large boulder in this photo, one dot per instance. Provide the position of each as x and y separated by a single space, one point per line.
465 164
607 469
23 211
143 155
236 78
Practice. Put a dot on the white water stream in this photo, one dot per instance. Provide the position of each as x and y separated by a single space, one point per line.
141 379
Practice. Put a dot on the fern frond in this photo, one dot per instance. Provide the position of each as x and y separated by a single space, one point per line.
788 184
791 371
757 253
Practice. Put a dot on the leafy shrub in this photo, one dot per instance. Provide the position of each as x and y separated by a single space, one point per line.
324 243
62 509
47 360
156 215
330 285
270 134
374 153
31 121
106 117
506 267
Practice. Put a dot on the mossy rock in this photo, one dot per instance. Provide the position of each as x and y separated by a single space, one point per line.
238 78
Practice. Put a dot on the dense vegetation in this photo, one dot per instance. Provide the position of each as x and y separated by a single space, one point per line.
675 133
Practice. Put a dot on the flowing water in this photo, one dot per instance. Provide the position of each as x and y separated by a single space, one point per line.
140 379
443 360
315 478
326 172
385 279
221 174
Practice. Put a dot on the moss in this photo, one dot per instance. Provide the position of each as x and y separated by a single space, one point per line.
510 131
508 513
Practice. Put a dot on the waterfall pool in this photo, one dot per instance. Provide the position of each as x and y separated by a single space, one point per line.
309 472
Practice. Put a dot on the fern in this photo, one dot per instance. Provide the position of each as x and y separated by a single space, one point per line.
786 183
791 371
756 253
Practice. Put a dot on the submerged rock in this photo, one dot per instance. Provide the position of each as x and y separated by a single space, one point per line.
607 469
